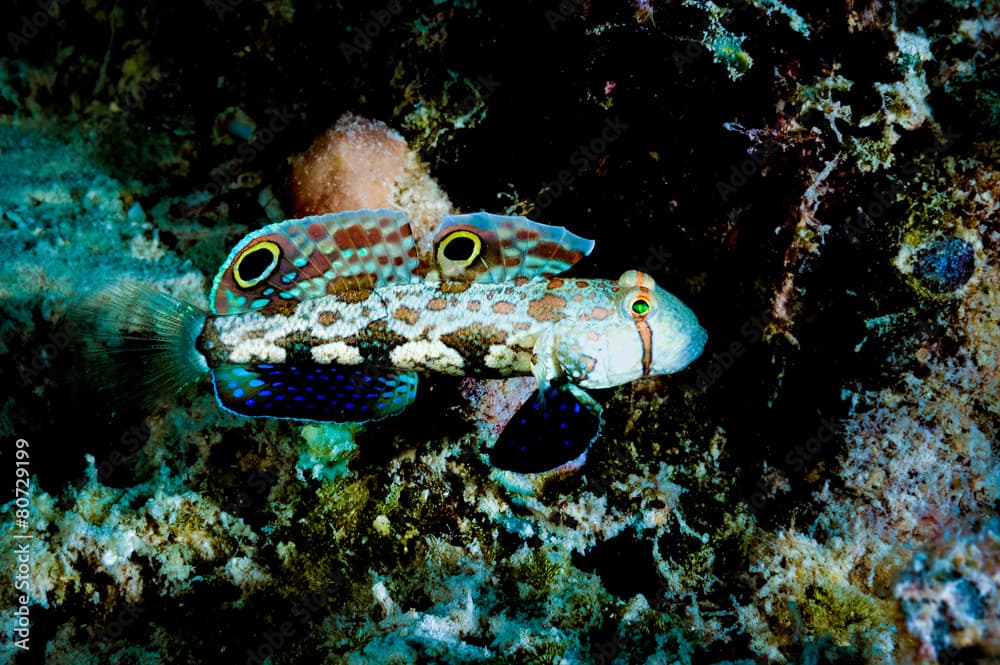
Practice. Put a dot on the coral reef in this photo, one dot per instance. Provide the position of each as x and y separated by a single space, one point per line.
820 183
360 163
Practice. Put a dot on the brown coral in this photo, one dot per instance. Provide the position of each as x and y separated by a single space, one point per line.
362 163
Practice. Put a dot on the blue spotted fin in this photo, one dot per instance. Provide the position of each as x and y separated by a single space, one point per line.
301 259
553 429
324 393
482 247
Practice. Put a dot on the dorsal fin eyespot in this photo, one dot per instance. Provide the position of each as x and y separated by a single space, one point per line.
314 255
337 253
256 263
503 248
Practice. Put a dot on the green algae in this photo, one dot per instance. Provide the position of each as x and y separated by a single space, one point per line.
840 612
327 452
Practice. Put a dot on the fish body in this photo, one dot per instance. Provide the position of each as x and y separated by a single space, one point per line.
334 317
554 328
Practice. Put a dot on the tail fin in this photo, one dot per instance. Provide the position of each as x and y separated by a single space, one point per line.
141 338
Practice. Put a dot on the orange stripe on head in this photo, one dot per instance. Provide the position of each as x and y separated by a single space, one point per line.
646 336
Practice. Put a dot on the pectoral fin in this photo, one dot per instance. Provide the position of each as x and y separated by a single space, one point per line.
554 428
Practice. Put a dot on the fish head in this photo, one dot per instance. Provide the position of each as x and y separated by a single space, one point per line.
649 332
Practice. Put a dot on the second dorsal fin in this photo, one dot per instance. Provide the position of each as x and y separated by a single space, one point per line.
306 258
482 247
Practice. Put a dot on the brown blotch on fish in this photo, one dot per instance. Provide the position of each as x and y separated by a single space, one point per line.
557 251
582 284
298 345
351 288
473 305
600 313
436 304
520 280
556 282
328 318
375 341
453 287
282 307
406 314
577 297
547 308
350 237
472 340
503 307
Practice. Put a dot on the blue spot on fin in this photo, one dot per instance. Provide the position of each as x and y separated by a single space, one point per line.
556 427
325 393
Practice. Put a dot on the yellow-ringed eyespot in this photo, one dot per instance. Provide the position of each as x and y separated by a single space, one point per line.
459 249
640 306
256 263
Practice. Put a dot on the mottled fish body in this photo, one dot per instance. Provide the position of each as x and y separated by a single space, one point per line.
333 317
558 327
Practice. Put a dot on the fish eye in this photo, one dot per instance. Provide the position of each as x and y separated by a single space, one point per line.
255 264
640 306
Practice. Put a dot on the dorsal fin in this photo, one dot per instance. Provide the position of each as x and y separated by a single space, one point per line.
482 247
305 258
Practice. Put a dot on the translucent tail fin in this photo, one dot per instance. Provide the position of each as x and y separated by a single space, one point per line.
141 338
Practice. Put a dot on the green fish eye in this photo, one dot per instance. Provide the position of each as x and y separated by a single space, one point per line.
640 307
